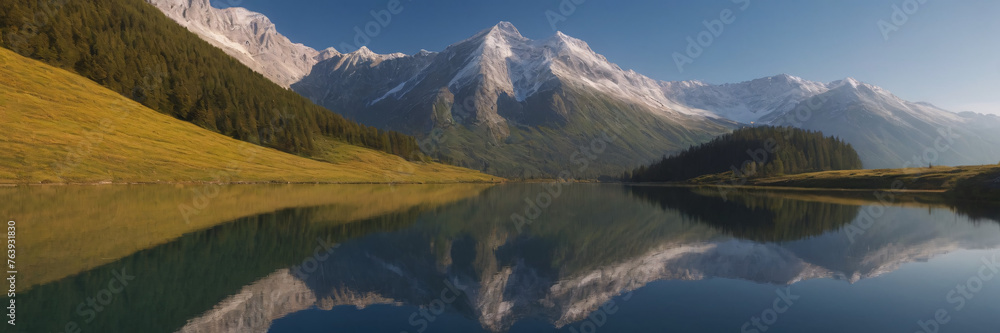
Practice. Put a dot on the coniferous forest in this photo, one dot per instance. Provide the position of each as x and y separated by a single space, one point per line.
130 47
754 152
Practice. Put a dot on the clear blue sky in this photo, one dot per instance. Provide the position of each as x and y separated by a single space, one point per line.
947 53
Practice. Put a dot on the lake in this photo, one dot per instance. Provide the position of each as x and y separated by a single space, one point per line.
506 258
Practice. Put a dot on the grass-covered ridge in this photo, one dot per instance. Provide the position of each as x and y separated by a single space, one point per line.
131 48
62 128
968 182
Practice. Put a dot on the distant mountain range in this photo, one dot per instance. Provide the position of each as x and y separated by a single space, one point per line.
512 106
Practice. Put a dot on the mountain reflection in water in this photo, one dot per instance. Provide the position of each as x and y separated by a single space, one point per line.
467 266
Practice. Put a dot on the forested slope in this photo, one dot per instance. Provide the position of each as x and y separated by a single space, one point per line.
754 152
131 48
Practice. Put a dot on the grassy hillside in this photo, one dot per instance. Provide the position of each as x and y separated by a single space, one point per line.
60 127
131 48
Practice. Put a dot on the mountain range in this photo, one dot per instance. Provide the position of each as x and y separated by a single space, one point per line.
509 105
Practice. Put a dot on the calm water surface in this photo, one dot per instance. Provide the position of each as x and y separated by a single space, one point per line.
577 258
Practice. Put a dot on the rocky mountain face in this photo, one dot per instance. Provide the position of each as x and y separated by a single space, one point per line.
512 106
247 36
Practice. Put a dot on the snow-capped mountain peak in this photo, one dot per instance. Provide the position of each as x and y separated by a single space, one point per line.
506 28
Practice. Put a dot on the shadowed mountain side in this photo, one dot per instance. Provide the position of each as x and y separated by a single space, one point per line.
130 218
511 106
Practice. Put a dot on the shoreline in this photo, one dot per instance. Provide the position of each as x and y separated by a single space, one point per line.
243 183
793 188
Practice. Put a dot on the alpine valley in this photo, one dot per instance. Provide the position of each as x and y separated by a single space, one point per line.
512 106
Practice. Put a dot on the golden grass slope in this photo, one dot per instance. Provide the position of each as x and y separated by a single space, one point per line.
59 127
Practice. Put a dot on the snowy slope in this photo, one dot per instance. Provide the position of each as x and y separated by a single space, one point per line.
746 101
889 132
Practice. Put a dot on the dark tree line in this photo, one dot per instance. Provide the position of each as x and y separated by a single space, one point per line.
754 152
131 48
756 218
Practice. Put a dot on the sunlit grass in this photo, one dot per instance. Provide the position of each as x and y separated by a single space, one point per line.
61 128
940 178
